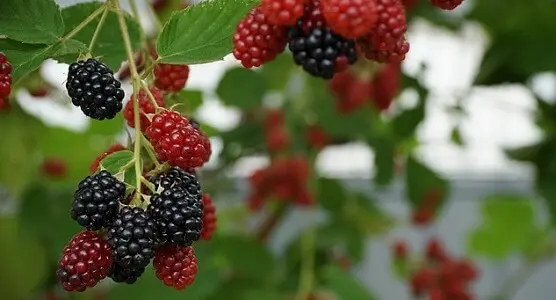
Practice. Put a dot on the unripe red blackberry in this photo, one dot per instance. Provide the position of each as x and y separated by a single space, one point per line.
256 41
446 4
171 78
4 104
145 107
386 85
92 87
177 215
209 218
283 12
390 26
54 167
320 51
395 55
97 199
175 266
313 16
85 261
350 18
5 77
177 142
276 139
96 163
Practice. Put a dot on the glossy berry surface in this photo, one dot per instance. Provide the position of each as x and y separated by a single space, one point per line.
92 87
209 218
85 261
175 266
146 106
96 200
350 18
257 41
171 78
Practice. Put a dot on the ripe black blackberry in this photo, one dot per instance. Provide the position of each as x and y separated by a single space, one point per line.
92 86
96 201
177 214
132 238
125 275
187 180
320 51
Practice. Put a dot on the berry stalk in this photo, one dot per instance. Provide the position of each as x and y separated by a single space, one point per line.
136 84
307 264
82 25
98 29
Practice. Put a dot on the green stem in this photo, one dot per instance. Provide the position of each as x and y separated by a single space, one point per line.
136 84
98 29
129 164
82 25
307 264
150 151
149 95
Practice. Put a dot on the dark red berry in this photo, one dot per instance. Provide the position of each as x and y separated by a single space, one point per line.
176 141
394 55
171 78
386 85
158 4
176 266
276 139
39 92
4 104
274 118
422 280
5 76
96 163
209 218
437 294
317 137
54 167
313 16
400 250
391 25
283 12
256 41
145 106
435 251
86 260
350 18
422 216
446 4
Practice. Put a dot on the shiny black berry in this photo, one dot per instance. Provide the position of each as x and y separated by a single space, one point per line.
187 180
132 238
320 51
96 200
92 87
125 275
178 215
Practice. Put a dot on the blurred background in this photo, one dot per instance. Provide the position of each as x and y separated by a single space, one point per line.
488 71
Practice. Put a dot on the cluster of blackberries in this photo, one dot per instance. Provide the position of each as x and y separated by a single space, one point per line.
132 236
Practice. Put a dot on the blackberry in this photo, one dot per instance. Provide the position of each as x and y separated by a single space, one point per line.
96 201
187 180
132 238
178 215
125 275
92 87
320 51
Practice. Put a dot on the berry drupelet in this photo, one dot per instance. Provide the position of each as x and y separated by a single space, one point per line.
92 87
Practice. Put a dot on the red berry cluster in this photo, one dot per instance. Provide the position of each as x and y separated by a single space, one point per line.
285 179
353 92
277 138
209 218
146 106
176 266
177 141
443 277
96 163
446 4
171 78
317 137
86 260
5 81
423 214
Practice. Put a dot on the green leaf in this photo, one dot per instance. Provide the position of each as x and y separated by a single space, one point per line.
524 154
245 139
188 100
345 286
22 259
31 21
209 130
331 194
201 33
25 57
246 257
405 124
421 180
115 162
338 233
108 47
384 150
277 73
455 136
242 88
401 268
499 235
70 47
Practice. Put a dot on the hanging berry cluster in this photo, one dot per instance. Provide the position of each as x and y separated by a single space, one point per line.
5 81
